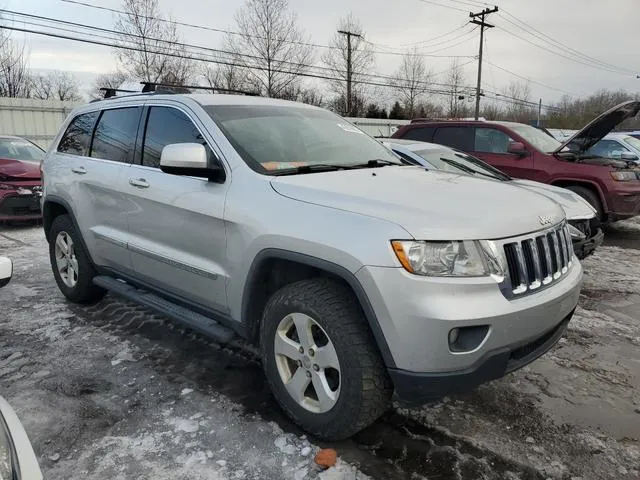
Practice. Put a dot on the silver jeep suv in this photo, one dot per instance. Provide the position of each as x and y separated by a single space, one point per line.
281 223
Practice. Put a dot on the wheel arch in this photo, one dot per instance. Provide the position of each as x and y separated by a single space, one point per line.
593 186
52 208
273 268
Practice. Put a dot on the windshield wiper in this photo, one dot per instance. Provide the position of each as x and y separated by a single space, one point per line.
465 168
313 168
378 162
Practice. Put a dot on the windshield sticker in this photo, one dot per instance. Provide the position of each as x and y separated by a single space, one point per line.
282 165
350 128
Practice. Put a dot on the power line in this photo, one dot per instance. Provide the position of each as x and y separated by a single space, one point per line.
234 55
410 44
531 80
423 54
548 39
221 30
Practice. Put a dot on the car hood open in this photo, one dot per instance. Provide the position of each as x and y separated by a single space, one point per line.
598 128
430 205
18 170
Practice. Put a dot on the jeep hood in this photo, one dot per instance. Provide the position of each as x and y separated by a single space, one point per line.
18 170
429 205
598 128
574 206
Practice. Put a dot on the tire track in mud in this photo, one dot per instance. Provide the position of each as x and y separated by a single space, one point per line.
395 447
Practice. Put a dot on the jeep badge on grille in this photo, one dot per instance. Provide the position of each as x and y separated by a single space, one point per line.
545 220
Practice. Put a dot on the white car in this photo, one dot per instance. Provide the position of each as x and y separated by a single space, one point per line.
17 458
579 212
618 145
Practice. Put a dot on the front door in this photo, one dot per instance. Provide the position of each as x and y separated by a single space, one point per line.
492 146
177 232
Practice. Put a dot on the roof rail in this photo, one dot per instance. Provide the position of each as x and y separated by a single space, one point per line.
465 119
175 88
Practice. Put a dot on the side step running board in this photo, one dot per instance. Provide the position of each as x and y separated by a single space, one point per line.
201 324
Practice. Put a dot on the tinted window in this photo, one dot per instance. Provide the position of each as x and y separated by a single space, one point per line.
166 126
77 138
115 134
490 140
424 134
455 137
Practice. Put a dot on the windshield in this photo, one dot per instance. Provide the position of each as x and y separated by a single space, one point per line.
276 138
536 137
633 142
18 149
457 162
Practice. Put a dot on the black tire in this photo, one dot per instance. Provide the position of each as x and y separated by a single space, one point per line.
365 387
593 199
84 291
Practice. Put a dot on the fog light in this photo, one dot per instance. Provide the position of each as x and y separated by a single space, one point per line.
453 336
467 339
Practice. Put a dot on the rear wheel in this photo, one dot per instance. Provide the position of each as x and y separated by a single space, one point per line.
593 199
321 361
70 263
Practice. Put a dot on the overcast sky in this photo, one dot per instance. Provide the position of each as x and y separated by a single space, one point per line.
607 31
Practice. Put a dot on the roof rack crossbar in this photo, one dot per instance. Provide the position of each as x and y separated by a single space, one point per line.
111 92
153 87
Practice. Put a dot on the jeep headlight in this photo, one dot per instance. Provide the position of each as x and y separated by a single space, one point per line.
446 259
624 175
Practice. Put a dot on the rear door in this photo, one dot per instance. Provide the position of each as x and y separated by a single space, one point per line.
96 150
178 241
492 146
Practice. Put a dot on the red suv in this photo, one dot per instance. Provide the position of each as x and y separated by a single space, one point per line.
523 151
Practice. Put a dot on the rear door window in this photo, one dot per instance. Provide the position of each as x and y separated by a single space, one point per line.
77 139
422 134
115 135
455 137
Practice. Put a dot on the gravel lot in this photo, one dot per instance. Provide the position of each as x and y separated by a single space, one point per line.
114 391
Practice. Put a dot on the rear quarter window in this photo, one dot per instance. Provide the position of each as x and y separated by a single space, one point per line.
77 138
421 134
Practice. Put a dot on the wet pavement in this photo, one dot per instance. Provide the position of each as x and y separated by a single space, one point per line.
115 391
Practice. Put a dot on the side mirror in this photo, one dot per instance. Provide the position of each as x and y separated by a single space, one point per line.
17 458
188 159
6 271
629 156
517 148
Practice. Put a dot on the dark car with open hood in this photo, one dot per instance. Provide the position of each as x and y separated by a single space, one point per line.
20 182
611 186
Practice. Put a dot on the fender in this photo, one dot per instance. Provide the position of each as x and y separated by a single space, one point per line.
327 266
46 221
578 182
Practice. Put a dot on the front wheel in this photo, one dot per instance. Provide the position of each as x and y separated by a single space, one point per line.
592 198
321 361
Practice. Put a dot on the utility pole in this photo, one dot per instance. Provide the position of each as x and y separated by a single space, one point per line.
539 111
349 66
483 25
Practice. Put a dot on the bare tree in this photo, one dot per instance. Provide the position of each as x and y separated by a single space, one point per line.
56 86
229 77
411 81
156 53
362 62
15 80
517 97
456 91
271 47
108 80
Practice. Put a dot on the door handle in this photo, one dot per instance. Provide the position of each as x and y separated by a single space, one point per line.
139 182
79 170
